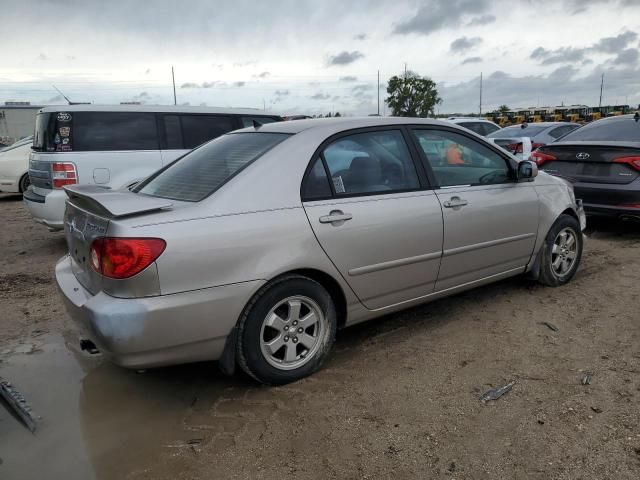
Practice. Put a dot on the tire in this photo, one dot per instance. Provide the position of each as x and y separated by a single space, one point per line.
25 181
564 239
274 346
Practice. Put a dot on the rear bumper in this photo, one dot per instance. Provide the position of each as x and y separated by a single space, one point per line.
46 209
609 200
155 331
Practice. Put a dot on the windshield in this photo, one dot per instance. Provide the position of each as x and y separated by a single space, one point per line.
202 171
621 130
517 131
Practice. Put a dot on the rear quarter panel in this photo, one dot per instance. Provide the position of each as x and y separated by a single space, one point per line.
226 249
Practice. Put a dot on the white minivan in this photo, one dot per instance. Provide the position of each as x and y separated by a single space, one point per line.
115 146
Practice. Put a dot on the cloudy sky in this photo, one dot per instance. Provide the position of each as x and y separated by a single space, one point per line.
317 56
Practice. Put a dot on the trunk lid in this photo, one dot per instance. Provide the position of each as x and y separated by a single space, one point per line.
88 213
591 162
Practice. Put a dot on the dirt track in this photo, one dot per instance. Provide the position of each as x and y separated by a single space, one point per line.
397 399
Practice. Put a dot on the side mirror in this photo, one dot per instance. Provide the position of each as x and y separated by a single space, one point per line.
527 171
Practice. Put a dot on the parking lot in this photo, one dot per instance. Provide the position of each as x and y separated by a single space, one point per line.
399 398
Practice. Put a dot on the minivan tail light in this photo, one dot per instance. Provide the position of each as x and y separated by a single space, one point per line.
63 173
121 258
541 158
633 162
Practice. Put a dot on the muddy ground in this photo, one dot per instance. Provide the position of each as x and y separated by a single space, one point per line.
397 399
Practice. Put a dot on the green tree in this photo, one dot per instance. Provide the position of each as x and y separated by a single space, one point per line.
411 95
503 109
337 114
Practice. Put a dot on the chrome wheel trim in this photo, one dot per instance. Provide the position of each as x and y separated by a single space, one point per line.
292 332
564 252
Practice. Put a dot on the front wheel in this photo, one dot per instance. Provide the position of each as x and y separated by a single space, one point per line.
286 331
561 252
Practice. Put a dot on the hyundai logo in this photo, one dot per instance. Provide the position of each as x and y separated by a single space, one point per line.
582 156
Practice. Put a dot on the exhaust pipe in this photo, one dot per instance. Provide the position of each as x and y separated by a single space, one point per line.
88 346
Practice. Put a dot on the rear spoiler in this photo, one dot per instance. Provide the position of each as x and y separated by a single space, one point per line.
114 203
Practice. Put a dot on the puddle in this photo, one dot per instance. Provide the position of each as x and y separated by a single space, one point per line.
100 421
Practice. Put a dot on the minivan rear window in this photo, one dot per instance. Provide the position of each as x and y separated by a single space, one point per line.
202 171
108 131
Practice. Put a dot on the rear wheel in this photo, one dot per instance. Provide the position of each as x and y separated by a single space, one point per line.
561 252
286 331
25 181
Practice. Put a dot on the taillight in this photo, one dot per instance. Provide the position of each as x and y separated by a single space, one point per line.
517 147
541 158
633 162
121 258
63 173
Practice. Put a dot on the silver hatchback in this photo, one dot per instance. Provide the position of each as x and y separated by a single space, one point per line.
254 248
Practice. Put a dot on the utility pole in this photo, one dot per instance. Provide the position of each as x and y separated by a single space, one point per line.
378 92
174 86
480 93
601 87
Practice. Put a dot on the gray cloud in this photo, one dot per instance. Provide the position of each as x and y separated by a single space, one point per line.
147 71
364 87
280 95
562 85
345 58
462 44
615 44
262 75
348 78
482 20
471 60
43 57
627 57
215 83
71 57
239 84
320 96
360 36
560 55
57 99
438 15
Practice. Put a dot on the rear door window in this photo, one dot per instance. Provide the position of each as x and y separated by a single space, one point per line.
475 127
371 162
198 129
200 172
489 128
173 132
108 131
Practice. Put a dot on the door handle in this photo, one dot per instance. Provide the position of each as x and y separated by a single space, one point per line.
336 216
455 202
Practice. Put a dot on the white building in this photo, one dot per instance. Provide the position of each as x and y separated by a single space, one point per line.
17 120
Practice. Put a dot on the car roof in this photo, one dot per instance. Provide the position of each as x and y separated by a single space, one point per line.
341 123
157 109
544 124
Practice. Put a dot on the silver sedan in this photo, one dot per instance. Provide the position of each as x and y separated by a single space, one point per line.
254 248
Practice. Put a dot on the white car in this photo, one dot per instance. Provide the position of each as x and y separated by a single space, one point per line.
475 124
14 166
116 147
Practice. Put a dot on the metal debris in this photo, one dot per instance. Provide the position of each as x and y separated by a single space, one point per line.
586 378
497 392
550 326
18 404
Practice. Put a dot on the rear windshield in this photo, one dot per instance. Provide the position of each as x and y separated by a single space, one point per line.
202 171
517 131
621 130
